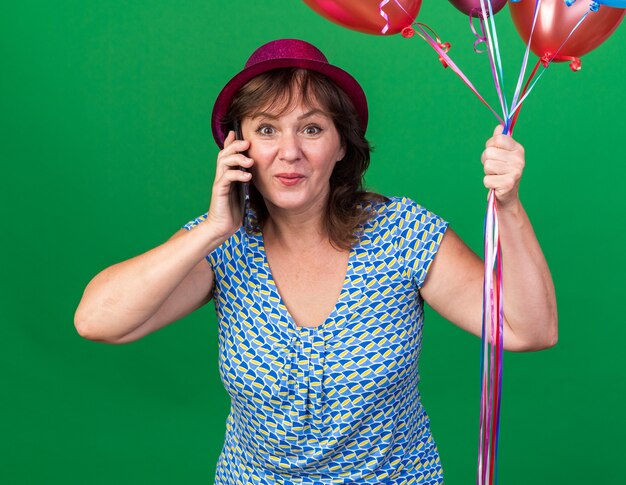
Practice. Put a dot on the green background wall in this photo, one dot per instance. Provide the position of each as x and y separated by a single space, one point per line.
106 151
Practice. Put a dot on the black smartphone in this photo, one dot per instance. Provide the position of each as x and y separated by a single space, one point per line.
243 189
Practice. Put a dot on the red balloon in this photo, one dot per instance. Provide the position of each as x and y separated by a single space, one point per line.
556 20
364 15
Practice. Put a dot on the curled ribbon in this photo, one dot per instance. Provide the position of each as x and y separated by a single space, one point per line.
384 15
430 37
445 46
575 62
482 37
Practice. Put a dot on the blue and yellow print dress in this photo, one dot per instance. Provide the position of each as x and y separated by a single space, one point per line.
335 404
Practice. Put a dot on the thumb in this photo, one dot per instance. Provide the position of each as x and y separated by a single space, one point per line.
498 130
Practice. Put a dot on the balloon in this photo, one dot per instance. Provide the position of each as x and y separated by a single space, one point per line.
364 15
556 20
613 3
466 6
609 3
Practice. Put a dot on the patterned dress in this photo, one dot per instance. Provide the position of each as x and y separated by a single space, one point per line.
335 404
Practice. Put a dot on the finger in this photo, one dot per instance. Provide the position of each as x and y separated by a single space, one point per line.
504 142
496 167
502 169
235 160
234 146
498 130
231 176
237 176
514 158
232 163
499 140
501 183
229 138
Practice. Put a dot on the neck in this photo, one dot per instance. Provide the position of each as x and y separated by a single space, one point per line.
296 231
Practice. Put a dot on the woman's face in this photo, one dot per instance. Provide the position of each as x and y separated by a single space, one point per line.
294 155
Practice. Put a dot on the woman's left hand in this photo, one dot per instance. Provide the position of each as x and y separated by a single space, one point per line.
503 161
530 318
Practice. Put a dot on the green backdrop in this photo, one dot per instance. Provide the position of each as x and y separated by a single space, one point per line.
106 151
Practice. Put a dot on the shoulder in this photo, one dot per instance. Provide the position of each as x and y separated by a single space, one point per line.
417 234
404 212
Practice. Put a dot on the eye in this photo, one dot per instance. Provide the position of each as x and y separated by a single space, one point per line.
265 130
313 130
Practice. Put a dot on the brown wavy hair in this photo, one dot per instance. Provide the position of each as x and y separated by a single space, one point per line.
349 204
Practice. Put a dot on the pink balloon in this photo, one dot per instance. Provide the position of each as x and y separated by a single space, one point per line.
466 6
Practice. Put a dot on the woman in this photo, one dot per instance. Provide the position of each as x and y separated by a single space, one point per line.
320 294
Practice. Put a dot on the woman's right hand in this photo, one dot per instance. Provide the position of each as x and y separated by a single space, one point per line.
130 299
225 213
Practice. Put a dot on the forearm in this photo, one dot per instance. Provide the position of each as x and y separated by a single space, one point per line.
124 296
529 298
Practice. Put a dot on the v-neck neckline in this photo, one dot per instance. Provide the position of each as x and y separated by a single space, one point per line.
281 303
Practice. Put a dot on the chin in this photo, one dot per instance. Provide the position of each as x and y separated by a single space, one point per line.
287 203
290 201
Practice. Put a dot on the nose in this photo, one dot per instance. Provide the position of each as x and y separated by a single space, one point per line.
289 149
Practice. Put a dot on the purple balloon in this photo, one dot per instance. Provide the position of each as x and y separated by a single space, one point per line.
466 6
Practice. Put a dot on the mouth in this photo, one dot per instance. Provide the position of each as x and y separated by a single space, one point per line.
289 178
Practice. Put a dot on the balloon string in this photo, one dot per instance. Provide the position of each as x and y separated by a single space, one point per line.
492 336
493 295
492 333
500 279
497 48
486 367
532 74
495 349
492 60
441 49
493 47
444 56
526 54
492 290
493 314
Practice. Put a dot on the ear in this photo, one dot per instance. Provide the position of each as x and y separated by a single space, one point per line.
342 152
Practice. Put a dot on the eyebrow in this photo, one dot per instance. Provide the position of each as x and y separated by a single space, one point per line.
265 114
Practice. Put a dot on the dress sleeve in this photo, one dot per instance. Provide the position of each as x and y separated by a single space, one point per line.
215 257
421 232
